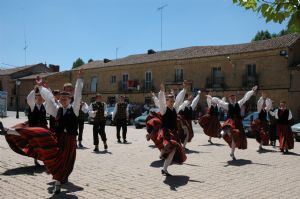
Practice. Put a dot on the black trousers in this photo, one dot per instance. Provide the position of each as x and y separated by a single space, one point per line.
121 124
99 128
80 129
273 132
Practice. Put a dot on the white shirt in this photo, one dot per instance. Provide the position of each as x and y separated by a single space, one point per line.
163 103
93 113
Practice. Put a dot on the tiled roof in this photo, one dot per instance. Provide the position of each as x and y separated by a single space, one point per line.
200 51
16 69
42 75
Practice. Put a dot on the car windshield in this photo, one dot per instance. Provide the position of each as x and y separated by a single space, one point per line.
110 109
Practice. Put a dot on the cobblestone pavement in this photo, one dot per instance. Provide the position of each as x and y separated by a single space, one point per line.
133 171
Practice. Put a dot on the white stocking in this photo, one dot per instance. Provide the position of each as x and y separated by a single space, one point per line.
168 160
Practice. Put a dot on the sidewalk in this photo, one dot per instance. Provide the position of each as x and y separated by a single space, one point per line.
133 171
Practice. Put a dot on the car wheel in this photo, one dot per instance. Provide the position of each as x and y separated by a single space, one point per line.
137 126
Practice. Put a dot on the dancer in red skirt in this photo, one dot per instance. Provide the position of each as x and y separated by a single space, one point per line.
232 129
261 125
168 108
57 151
186 112
284 119
210 121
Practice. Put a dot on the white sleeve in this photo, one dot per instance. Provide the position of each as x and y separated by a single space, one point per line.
179 99
162 102
156 101
85 108
260 103
208 100
127 111
290 115
183 105
77 96
91 112
105 109
268 104
31 99
220 103
195 101
52 106
276 114
115 111
245 98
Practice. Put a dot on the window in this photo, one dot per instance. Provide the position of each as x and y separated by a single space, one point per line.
124 81
148 80
251 69
113 79
179 75
94 84
216 75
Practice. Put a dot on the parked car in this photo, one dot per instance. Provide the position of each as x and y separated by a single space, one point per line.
296 131
140 121
247 123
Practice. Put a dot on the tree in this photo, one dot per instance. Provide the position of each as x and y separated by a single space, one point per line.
276 11
90 60
263 35
77 63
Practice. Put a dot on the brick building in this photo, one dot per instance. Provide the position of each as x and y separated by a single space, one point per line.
9 77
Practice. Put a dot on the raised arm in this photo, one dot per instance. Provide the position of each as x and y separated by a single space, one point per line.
195 100
162 102
31 99
183 105
260 103
247 96
51 105
77 95
155 100
220 103
179 99
268 104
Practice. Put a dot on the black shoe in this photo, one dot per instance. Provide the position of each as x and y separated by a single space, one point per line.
232 156
105 146
96 149
119 141
80 145
124 141
286 151
36 163
2 130
165 173
210 142
56 189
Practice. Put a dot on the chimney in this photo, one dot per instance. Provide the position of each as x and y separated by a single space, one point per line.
105 60
53 68
151 51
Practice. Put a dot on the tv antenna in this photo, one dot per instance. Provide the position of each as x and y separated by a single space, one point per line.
161 25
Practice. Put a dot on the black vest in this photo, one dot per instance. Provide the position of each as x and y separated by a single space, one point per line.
213 110
37 118
283 116
121 111
263 115
169 119
234 111
99 107
81 114
67 123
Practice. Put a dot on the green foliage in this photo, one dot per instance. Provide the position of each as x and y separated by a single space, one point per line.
77 63
276 11
263 35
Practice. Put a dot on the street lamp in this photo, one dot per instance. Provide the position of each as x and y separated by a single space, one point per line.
18 82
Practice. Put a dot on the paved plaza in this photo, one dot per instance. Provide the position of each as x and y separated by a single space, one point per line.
133 171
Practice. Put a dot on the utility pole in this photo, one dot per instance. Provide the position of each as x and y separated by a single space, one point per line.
161 25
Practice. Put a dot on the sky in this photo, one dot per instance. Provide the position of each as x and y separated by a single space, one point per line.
60 31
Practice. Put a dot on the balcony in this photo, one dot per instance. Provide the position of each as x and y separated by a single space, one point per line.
136 86
250 80
216 82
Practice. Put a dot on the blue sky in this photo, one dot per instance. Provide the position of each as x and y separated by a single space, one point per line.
60 31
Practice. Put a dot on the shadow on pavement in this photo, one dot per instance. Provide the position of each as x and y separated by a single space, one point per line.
214 144
152 146
69 187
157 163
267 151
188 151
177 181
102 152
242 162
82 148
27 170
292 153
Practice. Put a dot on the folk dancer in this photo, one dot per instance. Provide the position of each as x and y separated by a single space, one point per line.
97 110
284 119
232 129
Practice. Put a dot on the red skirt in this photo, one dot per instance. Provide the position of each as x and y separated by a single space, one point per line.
181 124
261 130
211 125
286 140
170 142
237 133
153 126
58 155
